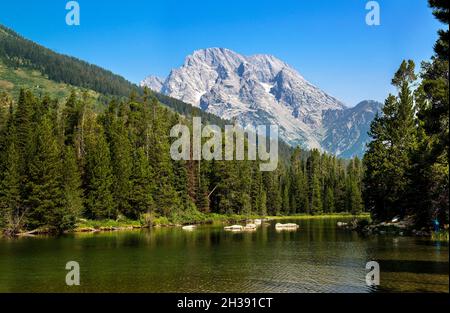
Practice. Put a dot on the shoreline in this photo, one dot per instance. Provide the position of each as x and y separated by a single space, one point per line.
217 218
85 226
98 226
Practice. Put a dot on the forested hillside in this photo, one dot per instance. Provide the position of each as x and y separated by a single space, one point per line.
32 60
62 162
18 52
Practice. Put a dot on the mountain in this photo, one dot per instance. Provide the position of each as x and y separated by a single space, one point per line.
347 130
262 89
153 82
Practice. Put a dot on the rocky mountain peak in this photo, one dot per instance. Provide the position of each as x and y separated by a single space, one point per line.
262 89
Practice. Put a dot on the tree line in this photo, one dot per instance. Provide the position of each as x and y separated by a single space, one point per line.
63 161
406 163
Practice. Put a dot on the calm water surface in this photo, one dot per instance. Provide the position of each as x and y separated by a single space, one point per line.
319 257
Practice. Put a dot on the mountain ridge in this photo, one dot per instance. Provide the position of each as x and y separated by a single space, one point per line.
262 89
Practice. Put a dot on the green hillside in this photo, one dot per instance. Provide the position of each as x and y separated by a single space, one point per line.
18 52
14 79
25 64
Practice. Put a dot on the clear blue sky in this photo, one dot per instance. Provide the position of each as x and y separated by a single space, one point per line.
327 41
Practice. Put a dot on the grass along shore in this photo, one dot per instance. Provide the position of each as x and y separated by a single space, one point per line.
123 224
84 225
148 221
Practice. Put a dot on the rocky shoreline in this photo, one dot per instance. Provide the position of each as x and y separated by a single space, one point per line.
396 227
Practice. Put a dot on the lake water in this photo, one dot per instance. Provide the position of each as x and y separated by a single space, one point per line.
319 257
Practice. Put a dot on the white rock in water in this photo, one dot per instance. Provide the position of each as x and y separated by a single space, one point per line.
234 228
189 227
290 226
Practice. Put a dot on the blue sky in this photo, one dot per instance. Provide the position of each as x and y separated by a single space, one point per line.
327 41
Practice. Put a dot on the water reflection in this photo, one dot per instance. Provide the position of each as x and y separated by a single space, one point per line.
319 257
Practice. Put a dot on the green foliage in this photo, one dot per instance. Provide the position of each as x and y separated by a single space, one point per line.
73 196
387 158
121 160
407 162
10 199
98 178
441 12
66 162
142 186
45 192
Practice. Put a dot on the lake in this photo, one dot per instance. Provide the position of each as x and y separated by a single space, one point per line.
319 257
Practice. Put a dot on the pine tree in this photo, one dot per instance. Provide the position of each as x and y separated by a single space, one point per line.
24 129
316 206
428 189
256 189
329 200
141 200
263 205
387 160
71 115
121 161
202 196
98 177
286 200
11 212
165 196
73 204
46 195
441 12
355 199
6 125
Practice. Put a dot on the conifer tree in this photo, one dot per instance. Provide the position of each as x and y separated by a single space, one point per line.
329 200
24 129
387 160
71 117
98 177
441 12
141 200
121 160
316 206
73 203
11 212
263 205
46 195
